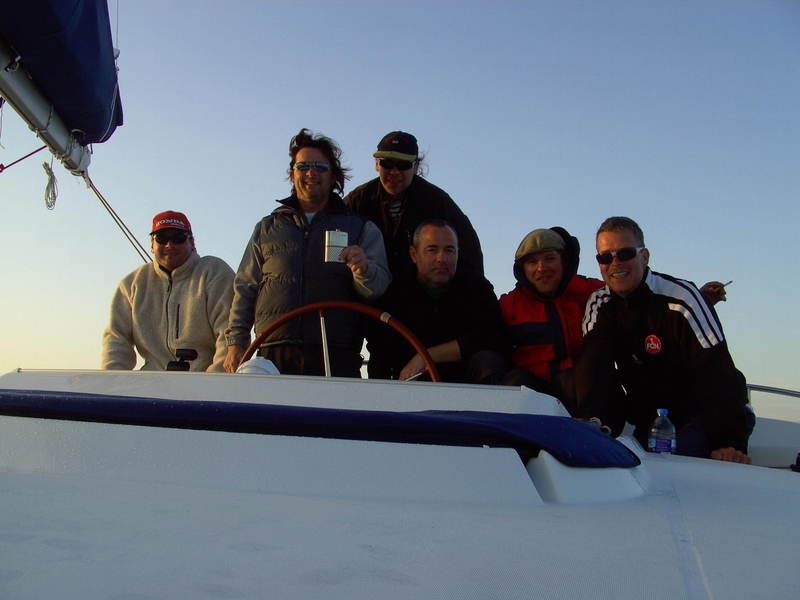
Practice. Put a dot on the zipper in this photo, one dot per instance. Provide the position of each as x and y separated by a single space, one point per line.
303 262
166 310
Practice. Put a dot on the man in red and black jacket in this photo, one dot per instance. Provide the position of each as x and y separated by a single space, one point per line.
543 312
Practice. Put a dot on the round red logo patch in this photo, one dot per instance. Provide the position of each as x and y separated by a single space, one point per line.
652 345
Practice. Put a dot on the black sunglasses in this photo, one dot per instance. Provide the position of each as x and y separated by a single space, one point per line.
164 238
623 254
390 163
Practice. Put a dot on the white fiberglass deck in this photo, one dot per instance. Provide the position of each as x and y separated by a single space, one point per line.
90 510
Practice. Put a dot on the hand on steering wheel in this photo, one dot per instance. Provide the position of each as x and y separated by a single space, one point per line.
320 307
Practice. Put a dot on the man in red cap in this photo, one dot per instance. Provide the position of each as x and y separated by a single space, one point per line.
179 301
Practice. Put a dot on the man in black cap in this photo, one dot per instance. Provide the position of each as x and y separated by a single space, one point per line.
399 199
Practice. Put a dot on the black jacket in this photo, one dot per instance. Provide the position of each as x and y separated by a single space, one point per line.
421 201
467 312
670 353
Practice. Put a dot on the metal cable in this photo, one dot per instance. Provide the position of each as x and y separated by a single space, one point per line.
141 250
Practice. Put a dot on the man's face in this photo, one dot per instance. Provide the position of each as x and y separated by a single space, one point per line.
395 180
312 186
622 277
544 271
173 252
436 256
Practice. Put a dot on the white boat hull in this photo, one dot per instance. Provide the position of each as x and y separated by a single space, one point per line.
91 510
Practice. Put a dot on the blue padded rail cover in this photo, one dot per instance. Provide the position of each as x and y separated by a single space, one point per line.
66 47
572 442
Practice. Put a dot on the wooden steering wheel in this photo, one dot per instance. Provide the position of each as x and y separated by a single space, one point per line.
321 307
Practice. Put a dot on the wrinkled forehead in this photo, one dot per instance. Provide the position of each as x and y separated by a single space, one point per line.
434 235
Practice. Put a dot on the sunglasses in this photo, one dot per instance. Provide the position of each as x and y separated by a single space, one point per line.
318 166
165 238
400 165
623 254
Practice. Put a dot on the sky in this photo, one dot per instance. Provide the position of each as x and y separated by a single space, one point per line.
680 114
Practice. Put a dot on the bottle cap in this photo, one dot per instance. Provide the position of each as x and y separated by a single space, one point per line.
662 412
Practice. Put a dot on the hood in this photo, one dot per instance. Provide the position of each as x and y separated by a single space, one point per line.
571 254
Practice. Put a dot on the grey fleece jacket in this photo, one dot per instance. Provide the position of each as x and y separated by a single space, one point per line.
155 312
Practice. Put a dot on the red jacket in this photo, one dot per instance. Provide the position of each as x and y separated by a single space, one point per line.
546 334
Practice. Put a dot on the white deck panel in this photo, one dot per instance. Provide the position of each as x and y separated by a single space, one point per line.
267 463
702 529
333 392
92 510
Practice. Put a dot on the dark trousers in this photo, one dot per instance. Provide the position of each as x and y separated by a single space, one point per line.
562 386
296 359
691 439
484 367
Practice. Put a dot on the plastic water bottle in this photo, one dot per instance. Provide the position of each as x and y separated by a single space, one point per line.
662 434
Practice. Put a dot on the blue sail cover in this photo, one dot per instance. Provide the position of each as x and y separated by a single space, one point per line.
570 441
66 48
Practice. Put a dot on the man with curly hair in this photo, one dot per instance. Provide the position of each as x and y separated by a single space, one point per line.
284 268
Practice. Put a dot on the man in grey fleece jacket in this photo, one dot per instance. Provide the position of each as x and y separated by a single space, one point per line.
180 300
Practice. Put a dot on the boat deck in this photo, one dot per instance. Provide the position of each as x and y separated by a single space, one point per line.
121 511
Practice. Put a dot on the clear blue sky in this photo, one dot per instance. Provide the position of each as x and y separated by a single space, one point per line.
680 114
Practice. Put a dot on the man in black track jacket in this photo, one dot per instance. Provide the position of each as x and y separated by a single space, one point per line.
669 349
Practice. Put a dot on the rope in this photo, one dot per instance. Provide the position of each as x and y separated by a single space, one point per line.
51 189
116 25
46 127
118 220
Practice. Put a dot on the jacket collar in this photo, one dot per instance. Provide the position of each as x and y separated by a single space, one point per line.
644 289
334 205
385 198
181 272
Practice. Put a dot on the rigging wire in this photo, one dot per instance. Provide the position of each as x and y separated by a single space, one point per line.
116 25
117 219
8 166
2 106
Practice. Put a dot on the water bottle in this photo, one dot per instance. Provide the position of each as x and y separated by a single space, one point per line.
662 434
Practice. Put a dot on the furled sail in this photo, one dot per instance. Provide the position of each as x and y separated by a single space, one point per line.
57 70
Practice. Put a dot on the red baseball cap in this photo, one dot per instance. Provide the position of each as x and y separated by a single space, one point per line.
170 219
